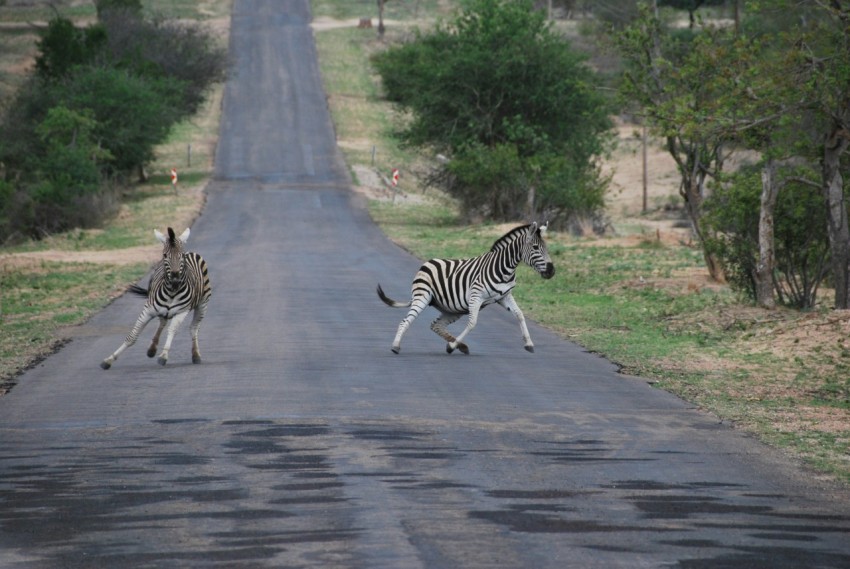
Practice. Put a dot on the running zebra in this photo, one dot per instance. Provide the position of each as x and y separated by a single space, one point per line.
179 283
464 286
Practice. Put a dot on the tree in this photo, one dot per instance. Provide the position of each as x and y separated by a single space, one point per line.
68 190
159 48
132 114
101 99
63 45
498 89
691 6
816 75
824 56
673 80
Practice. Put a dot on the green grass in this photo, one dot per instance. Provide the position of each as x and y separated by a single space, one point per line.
393 10
35 305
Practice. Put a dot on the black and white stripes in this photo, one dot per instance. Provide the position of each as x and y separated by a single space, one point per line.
180 283
463 286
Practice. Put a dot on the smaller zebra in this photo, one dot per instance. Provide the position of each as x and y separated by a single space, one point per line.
464 286
179 283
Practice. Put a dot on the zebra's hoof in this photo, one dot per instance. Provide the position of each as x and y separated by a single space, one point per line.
162 361
105 365
529 349
396 349
464 349
449 348
152 352
196 359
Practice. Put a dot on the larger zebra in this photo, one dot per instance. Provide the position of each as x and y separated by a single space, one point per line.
180 283
464 286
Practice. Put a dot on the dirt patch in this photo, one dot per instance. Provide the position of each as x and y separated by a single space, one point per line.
376 186
626 193
181 217
129 256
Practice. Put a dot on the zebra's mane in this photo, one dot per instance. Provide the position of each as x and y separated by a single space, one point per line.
509 237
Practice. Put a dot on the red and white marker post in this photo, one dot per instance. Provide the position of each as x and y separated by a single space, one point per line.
395 183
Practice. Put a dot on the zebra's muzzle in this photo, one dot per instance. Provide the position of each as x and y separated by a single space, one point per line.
549 272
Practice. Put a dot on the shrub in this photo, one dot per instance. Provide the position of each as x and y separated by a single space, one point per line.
508 101
100 101
161 48
133 114
63 46
800 238
65 188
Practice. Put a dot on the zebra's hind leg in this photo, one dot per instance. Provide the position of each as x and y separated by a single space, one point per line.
198 315
417 305
146 316
439 326
155 340
172 330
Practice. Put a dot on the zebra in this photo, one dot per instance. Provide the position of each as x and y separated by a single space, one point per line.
179 283
464 286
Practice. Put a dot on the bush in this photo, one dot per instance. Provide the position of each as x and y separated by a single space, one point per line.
66 190
508 101
63 46
133 114
100 101
161 48
800 236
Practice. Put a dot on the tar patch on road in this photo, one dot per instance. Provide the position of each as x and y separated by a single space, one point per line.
267 493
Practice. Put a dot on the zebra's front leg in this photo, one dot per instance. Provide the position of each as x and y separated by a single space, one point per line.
200 311
172 330
155 340
474 307
439 326
146 316
509 303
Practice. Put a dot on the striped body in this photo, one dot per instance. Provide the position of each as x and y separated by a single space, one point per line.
457 287
179 284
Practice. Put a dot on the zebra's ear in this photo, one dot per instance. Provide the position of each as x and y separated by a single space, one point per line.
184 236
159 235
533 231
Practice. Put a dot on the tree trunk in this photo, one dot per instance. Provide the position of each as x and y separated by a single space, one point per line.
531 205
692 193
381 28
839 233
767 257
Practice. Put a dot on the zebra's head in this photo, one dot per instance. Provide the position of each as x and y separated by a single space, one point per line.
535 253
173 259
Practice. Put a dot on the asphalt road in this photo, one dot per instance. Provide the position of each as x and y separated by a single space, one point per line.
302 441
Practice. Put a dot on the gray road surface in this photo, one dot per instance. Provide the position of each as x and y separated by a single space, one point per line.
302 441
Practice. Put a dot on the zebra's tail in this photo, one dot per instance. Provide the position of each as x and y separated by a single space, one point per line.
390 302
136 289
